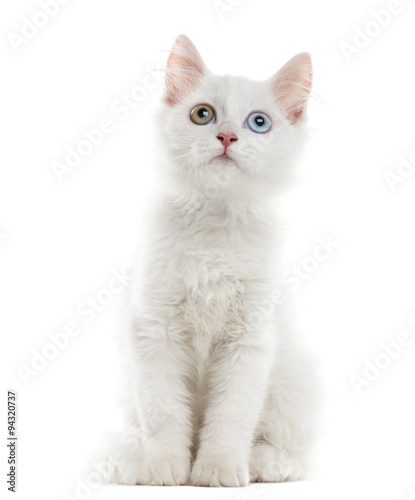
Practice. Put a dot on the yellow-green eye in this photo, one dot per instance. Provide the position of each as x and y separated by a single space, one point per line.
202 114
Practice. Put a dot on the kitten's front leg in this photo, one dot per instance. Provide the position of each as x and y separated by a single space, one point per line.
161 369
236 392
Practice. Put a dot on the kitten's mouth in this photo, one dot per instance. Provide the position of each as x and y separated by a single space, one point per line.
224 158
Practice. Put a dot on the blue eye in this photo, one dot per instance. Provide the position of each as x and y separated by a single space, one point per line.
259 123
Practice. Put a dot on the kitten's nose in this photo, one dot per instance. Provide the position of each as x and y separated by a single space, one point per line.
226 139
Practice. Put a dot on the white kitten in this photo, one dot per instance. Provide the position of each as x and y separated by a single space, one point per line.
219 391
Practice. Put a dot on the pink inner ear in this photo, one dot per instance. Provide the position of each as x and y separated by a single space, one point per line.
292 86
185 67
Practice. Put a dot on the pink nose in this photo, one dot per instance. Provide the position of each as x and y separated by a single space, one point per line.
226 139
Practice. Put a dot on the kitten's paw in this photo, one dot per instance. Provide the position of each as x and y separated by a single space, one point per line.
269 465
165 470
141 468
219 471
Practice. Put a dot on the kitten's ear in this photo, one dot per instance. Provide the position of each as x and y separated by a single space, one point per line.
185 67
291 86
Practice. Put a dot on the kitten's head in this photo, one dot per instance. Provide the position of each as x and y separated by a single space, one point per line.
227 134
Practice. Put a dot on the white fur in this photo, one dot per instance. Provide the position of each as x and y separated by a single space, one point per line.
216 394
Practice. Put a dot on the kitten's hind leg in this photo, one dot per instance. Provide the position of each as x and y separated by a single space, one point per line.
285 434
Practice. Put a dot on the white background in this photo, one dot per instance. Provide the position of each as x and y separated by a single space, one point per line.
60 241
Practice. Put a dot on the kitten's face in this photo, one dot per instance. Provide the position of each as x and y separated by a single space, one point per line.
227 129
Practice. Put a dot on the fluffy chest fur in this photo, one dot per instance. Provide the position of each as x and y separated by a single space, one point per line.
205 258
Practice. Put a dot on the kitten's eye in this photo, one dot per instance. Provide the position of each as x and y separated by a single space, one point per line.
202 114
259 123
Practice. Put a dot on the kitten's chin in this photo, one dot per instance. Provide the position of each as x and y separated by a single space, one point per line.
223 161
